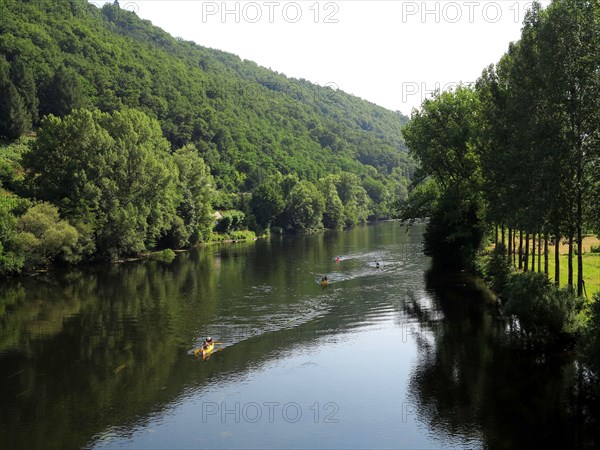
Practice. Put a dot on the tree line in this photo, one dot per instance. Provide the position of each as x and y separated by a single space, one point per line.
518 150
96 185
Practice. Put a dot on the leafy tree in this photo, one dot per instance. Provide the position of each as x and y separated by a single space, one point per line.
11 255
111 171
230 221
333 216
493 143
441 136
379 195
144 174
354 198
45 237
305 206
267 202
422 201
197 189
10 262
68 161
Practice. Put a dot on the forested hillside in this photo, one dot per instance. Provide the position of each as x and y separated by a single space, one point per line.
217 130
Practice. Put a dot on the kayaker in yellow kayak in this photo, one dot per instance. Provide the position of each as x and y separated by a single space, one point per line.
207 346
324 282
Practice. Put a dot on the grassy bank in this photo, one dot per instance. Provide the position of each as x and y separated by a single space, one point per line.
591 271
591 265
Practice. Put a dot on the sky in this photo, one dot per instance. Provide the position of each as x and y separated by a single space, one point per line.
393 53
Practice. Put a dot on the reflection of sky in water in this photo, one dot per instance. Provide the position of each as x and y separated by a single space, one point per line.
345 393
395 363
345 387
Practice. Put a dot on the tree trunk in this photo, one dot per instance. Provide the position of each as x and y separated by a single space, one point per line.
533 252
579 248
539 253
546 253
526 262
496 239
557 260
514 249
520 249
570 275
510 244
579 212
503 243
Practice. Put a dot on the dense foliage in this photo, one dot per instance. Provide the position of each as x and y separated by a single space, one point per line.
140 136
519 150
441 136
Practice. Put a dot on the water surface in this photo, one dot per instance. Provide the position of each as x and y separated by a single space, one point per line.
389 358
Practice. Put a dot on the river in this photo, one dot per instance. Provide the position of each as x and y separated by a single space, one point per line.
390 357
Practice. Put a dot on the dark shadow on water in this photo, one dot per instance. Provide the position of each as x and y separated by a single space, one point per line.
474 387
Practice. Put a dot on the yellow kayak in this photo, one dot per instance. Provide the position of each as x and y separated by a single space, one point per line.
324 283
204 352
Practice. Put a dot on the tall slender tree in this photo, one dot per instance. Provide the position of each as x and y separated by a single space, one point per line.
569 55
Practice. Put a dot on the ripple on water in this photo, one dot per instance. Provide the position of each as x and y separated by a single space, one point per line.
233 330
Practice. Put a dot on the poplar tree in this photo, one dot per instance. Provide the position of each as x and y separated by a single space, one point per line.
569 55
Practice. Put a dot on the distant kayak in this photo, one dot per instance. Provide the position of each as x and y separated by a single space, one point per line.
204 352
324 283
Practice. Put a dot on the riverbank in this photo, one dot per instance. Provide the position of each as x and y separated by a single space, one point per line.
591 265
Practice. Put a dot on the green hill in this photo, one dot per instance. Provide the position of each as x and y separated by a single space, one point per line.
250 125
247 121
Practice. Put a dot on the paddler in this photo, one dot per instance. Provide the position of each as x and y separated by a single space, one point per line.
324 282
207 343
337 259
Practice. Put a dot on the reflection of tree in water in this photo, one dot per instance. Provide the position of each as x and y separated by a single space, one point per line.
470 386
87 349
104 346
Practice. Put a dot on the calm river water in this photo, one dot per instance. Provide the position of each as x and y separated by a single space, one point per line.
392 357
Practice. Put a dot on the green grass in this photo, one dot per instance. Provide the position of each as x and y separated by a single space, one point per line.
240 235
591 271
591 265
